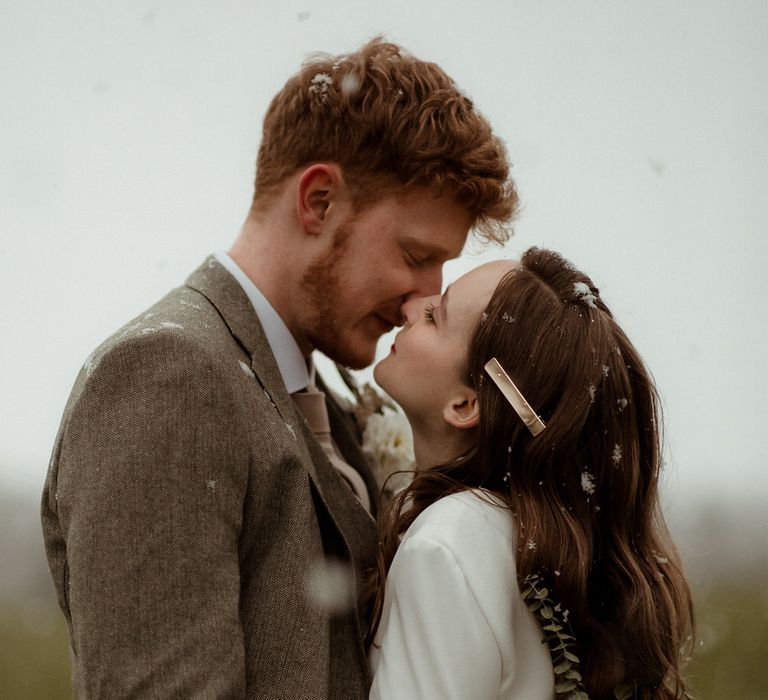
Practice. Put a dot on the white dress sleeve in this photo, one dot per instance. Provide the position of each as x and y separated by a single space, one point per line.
437 643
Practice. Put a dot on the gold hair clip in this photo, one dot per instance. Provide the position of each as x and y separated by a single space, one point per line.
514 396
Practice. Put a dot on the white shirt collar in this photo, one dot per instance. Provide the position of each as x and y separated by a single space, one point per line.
290 361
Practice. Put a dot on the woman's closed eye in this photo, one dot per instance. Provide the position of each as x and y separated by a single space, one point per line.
429 313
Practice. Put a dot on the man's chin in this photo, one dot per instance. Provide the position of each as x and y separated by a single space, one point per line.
349 354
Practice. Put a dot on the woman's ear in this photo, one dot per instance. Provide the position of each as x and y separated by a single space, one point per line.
318 192
463 409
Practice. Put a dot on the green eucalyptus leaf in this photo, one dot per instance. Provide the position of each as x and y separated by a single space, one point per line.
578 695
565 687
567 676
624 691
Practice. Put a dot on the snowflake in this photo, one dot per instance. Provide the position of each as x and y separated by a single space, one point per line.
246 369
90 363
588 482
189 303
320 84
616 456
350 84
582 290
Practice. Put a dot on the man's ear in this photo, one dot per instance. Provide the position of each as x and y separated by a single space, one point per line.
319 191
463 409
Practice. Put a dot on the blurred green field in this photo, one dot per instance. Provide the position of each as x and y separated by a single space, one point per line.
34 662
729 662
732 648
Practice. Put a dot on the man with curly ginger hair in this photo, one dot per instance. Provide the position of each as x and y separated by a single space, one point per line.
205 534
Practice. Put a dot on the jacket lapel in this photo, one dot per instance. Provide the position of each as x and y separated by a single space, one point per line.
215 283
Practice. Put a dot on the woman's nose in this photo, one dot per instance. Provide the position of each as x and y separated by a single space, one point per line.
413 308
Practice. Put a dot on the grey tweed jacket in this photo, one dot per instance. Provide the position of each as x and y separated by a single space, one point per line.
189 516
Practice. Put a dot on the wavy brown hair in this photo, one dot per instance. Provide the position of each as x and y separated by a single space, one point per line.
391 122
585 491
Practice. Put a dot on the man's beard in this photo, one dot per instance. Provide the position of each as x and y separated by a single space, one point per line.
322 291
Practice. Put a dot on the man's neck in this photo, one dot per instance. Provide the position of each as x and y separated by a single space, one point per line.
273 270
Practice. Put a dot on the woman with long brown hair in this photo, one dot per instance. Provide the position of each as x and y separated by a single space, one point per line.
528 558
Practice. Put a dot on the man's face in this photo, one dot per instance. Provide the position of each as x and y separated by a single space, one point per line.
387 254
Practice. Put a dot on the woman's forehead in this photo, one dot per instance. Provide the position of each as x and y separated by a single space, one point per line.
470 294
483 280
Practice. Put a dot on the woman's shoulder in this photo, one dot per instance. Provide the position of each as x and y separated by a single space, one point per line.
468 521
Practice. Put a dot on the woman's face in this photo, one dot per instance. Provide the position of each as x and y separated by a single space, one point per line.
423 370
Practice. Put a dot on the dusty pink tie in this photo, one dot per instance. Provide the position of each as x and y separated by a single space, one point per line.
311 403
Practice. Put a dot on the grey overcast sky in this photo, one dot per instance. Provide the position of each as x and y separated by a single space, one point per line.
638 132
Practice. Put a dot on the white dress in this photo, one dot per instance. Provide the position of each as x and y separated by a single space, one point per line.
453 625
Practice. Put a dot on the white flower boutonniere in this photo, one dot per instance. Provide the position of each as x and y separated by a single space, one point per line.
388 442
